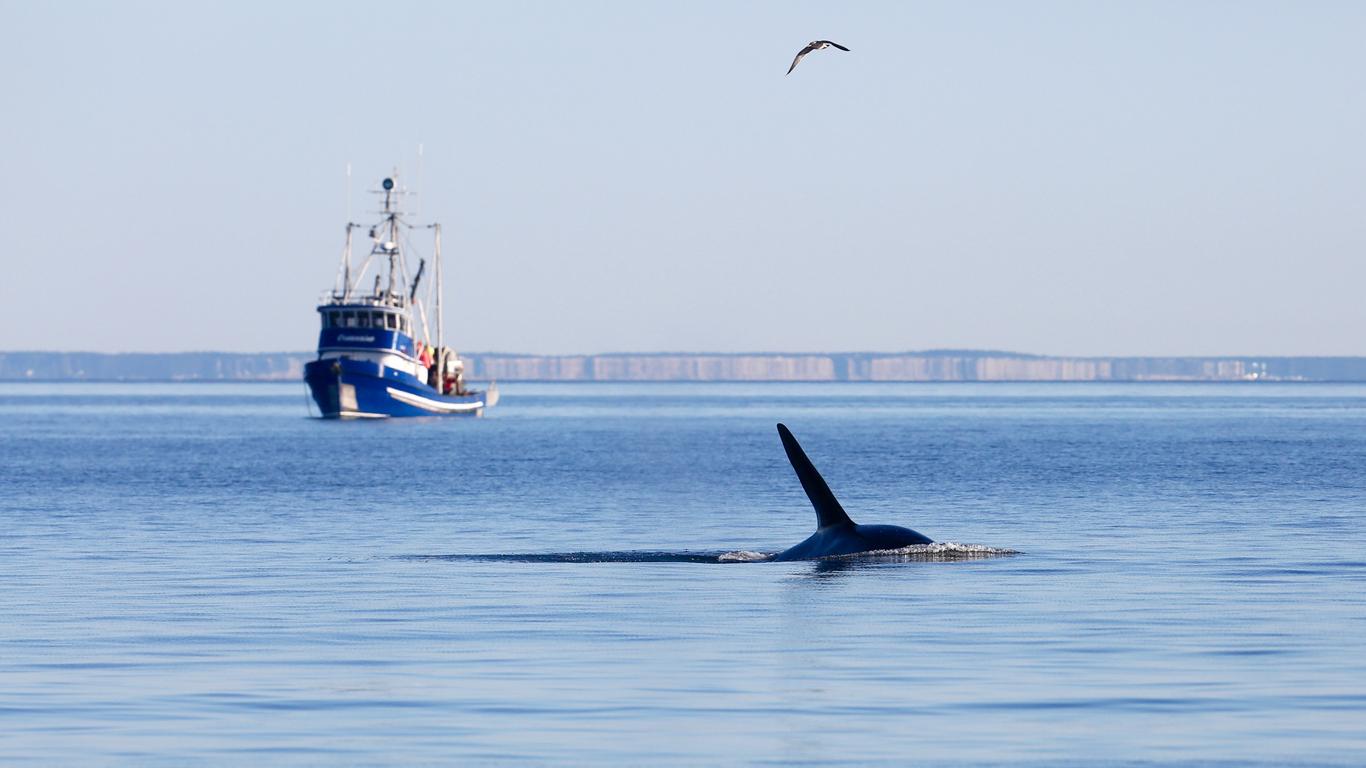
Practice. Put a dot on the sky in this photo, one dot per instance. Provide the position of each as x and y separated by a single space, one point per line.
1069 178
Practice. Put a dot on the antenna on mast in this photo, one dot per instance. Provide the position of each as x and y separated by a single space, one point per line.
419 180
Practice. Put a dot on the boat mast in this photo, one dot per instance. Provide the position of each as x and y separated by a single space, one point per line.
345 268
440 321
341 287
392 245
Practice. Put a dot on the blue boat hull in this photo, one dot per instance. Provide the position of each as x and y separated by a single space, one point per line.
347 388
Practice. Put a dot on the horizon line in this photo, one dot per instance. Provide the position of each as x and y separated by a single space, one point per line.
938 352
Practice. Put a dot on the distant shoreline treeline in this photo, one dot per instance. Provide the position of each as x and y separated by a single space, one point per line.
938 365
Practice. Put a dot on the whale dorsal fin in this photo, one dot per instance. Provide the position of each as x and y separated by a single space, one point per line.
828 509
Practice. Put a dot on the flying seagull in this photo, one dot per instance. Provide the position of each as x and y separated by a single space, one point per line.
814 45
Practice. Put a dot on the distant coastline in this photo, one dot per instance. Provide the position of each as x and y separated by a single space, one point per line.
933 365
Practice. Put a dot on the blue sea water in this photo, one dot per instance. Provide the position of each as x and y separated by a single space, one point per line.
200 574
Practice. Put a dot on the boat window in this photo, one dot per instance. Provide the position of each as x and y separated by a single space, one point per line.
364 318
348 320
379 319
335 319
326 320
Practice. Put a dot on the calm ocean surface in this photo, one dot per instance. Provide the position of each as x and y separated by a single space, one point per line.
199 573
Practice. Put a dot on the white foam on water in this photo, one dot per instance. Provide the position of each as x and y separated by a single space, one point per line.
938 550
743 556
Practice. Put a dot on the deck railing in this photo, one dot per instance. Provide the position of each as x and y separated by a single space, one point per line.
393 301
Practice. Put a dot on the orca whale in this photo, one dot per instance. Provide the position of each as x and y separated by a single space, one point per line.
835 533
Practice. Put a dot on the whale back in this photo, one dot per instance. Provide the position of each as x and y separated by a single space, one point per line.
828 510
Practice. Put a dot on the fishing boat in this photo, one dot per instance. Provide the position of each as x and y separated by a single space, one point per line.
380 352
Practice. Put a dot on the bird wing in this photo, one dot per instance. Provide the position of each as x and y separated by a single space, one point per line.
832 42
808 49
